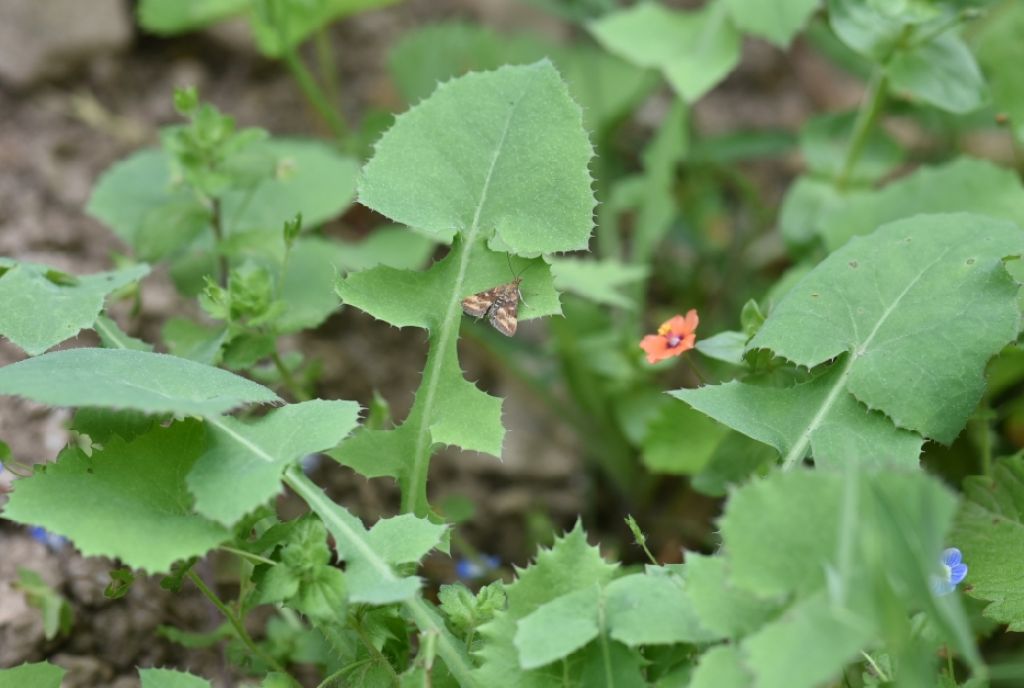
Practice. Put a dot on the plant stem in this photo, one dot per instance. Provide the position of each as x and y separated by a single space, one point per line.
314 94
870 106
240 631
325 64
377 655
218 235
286 378
247 555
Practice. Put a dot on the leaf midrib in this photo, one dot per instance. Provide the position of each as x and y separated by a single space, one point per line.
799 449
421 449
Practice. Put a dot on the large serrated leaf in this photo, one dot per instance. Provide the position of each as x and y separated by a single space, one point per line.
495 154
127 501
43 307
242 464
169 678
129 379
920 306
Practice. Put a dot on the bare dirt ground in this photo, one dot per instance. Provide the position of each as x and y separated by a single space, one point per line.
57 135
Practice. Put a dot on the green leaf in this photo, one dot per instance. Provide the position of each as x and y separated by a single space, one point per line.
807 647
721 606
122 379
721 667
680 441
194 341
941 72
726 346
241 466
930 290
169 678
38 675
113 337
134 495
990 533
652 608
604 86
456 412
287 23
310 178
168 17
997 45
569 566
43 307
819 414
599 281
527 143
694 50
558 628
777 21
965 184
57 613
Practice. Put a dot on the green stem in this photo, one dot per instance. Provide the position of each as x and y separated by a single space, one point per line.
325 64
420 611
240 631
874 665
870 107
287 379
342 671
377 655
247 555
217 222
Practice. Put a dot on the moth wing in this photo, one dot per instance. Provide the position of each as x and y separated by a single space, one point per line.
505 317
478 304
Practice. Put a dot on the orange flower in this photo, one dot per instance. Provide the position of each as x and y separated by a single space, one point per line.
676 335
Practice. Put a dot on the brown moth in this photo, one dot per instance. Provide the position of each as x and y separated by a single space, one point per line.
500 305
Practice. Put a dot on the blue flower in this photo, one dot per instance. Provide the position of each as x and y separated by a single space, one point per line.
471 569
52 541
954 571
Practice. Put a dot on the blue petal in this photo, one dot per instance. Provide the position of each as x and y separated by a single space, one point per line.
957 573
951 557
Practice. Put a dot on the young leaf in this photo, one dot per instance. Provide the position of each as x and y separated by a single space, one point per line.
508 150
694 50
43 307
941 72
990 532
169 678
38 675
168 17
722 607
57 612
241 465
280 25
777 21
311 178
598 281
571 565
370 555
126 379
113 337
134 495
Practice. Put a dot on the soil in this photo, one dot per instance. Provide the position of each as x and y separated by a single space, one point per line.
58 136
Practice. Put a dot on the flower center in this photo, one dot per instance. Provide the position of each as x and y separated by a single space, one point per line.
673 340
949 572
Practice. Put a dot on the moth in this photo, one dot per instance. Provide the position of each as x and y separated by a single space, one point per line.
500 305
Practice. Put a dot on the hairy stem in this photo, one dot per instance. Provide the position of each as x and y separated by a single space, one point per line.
236 623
